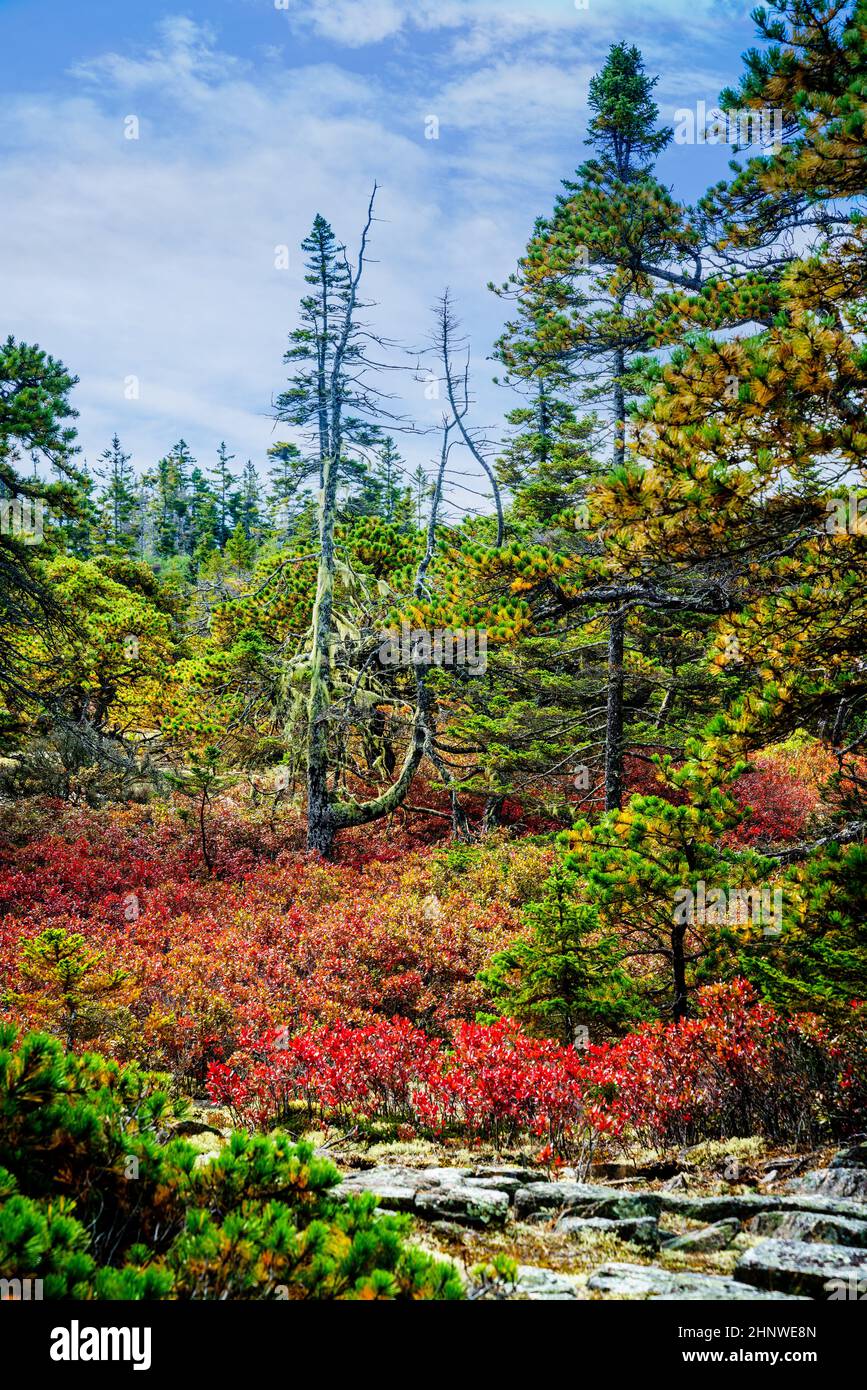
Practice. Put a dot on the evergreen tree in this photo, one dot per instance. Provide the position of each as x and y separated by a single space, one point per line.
566 973
388 468
204 516
224 491
248 505
171 502
118 501
287 496
35 415
332 395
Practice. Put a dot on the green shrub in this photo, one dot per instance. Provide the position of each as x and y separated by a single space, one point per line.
98 1201
566 972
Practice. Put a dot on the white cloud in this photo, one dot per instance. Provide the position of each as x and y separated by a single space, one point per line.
186 58
155 257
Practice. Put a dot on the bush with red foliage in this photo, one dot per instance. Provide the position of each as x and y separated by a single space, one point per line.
739 1068
282 940
778 804
351 990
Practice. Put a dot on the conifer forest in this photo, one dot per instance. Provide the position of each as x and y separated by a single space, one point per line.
433 663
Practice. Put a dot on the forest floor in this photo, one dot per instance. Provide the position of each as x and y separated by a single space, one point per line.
648 1226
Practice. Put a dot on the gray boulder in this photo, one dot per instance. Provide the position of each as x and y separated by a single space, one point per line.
716 1237
855 1157
467 1202
537 1283
802 1267
848 1181
746 1204
649 1282
811 1226
436 1194
394 1188
505 1170
585 1199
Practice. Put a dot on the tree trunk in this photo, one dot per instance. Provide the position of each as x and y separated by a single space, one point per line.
614 720
678 964
619 409
320 828
493 811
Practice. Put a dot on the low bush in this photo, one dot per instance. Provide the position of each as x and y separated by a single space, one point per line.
99 1202
738 1068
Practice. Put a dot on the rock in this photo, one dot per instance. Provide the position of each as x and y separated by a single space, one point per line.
716 1237
802 1267
394 1188
470 1203
766 1223
847 1181
492 1184
545 1284
449 1176
437 1194
856 1157
585 1199
746 1204
622 1170
777 1164
650 1282
451 1230
642 1230
495 1170
811 1226
202 1160
679 1183
186 1129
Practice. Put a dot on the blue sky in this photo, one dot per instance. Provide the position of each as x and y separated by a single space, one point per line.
154 258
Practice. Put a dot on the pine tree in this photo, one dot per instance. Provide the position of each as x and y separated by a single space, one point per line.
224 491
118 500
566 973
171 502
287 496
204 516
35 415
389 467
585 290
248 506
330 381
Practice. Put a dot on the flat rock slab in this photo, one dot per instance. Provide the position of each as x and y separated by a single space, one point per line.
716 1237
642 1230
470 1204
585 1199
811 1226
833 1182
394 1188
855 1157
746 1204
535 1282
436 1194
650 1282
801 1267
505 1170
